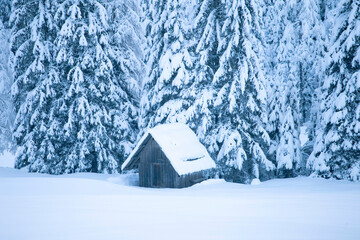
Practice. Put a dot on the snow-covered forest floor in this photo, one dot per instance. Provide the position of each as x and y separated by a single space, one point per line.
98 206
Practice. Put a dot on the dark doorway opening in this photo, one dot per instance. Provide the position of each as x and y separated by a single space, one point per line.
156 174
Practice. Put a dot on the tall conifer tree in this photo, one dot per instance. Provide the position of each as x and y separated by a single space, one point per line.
166 96
33 33
96 105
239 135
6 107
337 147
205 28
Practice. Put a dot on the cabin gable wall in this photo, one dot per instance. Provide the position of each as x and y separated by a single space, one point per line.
155 169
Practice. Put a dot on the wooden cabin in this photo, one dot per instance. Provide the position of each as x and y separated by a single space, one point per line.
170 156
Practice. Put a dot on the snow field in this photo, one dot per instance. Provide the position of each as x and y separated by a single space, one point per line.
99 206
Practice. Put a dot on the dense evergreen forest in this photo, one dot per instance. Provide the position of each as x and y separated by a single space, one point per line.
270 87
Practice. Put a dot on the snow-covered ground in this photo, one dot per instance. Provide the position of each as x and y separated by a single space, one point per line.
98 206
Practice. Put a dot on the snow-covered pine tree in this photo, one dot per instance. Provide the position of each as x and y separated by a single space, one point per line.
284 109
322 46
288 156
96 107
205 29
6 109
35 83
337 147
311 34
240 138
310 51
166 95
288 152
127 39
275 115
5 12
274 22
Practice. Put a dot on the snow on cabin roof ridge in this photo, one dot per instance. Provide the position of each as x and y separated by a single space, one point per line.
180 145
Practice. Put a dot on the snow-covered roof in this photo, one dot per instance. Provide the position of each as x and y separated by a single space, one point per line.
180 145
